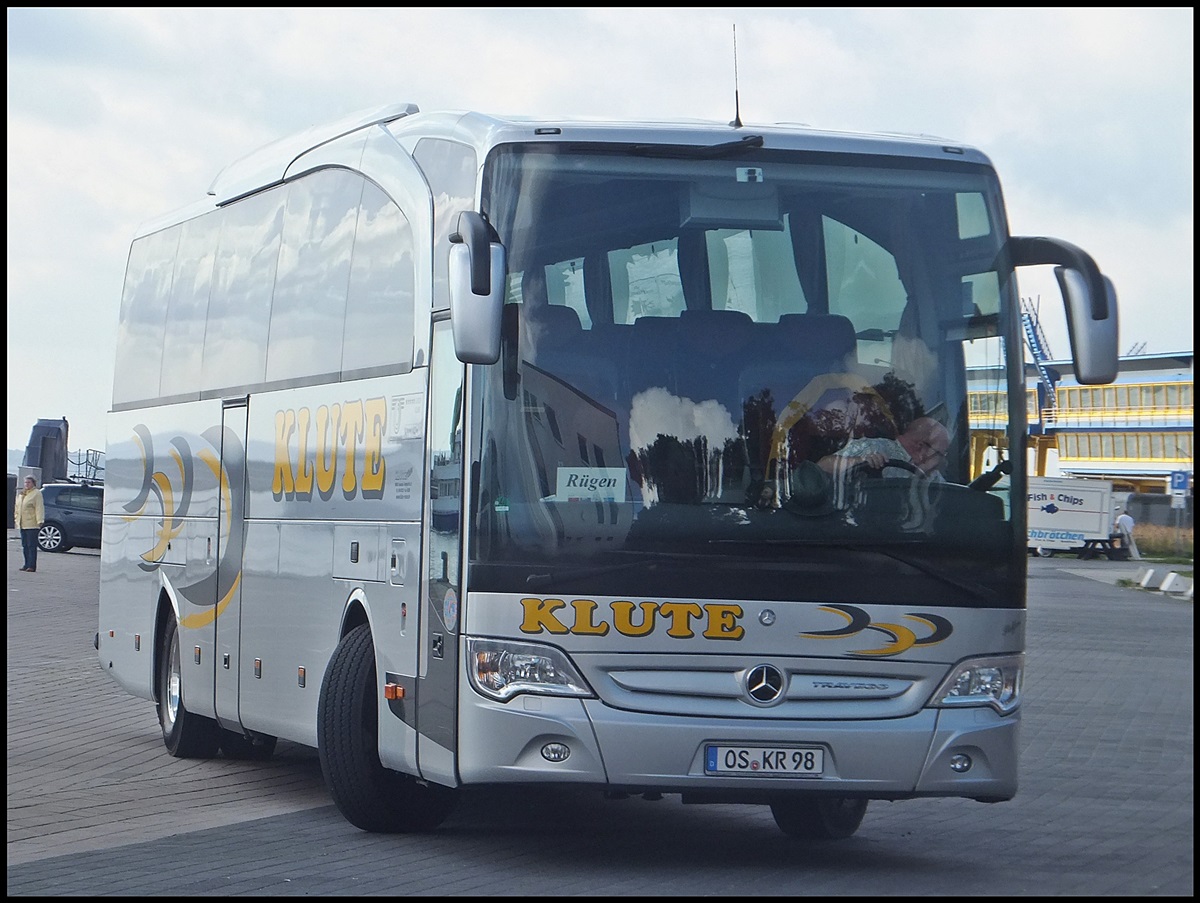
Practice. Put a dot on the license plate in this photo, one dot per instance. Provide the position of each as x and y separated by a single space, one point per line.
806 761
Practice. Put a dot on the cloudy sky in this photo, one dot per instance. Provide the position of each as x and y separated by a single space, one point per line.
118 115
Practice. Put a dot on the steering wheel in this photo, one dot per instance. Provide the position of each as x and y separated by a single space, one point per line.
986 481
865 469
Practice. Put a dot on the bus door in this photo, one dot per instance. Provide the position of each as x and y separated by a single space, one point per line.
231 513
439 665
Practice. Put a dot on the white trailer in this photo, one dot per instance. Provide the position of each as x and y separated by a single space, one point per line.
1068 514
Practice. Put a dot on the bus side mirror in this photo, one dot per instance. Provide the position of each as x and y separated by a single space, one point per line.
1091 303
476 276
1093 340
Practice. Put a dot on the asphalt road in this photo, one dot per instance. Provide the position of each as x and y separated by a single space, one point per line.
97 807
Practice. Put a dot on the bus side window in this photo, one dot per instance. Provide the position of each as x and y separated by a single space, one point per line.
380 307
239 308
143 314
308 305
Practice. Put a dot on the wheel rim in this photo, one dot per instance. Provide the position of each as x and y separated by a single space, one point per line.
171 709
49 537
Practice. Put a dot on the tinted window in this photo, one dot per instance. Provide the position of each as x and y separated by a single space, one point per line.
143 317
382 298
450 169
87 498
235 345
309 303
306 283
183 342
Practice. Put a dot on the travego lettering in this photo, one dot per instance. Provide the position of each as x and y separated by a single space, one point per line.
583 617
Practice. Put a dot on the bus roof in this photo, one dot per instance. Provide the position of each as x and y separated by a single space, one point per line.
269 164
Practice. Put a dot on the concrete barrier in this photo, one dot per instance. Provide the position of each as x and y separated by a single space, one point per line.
1149 578
1176 584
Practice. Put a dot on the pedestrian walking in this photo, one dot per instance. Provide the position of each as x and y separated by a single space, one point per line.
29 513
1124 527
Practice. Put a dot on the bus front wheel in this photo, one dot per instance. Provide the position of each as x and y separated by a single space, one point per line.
368 795
186 735
819 817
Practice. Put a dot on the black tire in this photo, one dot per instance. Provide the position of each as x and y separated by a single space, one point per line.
819 817
185 735
368 795
255 747
1045 553
51 537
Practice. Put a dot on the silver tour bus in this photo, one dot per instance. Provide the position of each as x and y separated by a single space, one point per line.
635 456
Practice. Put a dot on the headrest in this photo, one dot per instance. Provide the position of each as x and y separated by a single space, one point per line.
716 331
558 319
723 318
832 332
533 286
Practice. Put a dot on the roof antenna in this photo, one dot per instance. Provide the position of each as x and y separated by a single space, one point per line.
737 113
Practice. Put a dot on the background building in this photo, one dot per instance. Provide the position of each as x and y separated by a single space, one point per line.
1136 432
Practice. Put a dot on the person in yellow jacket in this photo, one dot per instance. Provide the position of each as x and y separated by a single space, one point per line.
29 513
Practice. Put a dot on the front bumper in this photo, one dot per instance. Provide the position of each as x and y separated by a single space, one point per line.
894 758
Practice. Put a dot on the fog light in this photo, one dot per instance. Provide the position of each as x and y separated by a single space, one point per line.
556 752
960 762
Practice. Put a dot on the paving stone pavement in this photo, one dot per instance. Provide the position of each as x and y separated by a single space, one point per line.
1105 808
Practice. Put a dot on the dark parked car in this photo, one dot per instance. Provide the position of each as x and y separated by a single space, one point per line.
74 513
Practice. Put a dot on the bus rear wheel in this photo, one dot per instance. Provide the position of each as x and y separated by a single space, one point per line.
368 795
819 817
186 735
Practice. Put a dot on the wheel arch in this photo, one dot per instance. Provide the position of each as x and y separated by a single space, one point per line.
166 610
355 613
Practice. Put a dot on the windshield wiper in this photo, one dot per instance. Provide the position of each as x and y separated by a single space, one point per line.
975 589
536 581
694 152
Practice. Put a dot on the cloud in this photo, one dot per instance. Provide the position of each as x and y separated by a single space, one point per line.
656 412
118 115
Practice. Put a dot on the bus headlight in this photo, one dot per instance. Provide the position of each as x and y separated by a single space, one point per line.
501 669
994 681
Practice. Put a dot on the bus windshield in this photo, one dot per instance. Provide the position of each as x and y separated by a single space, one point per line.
746 377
